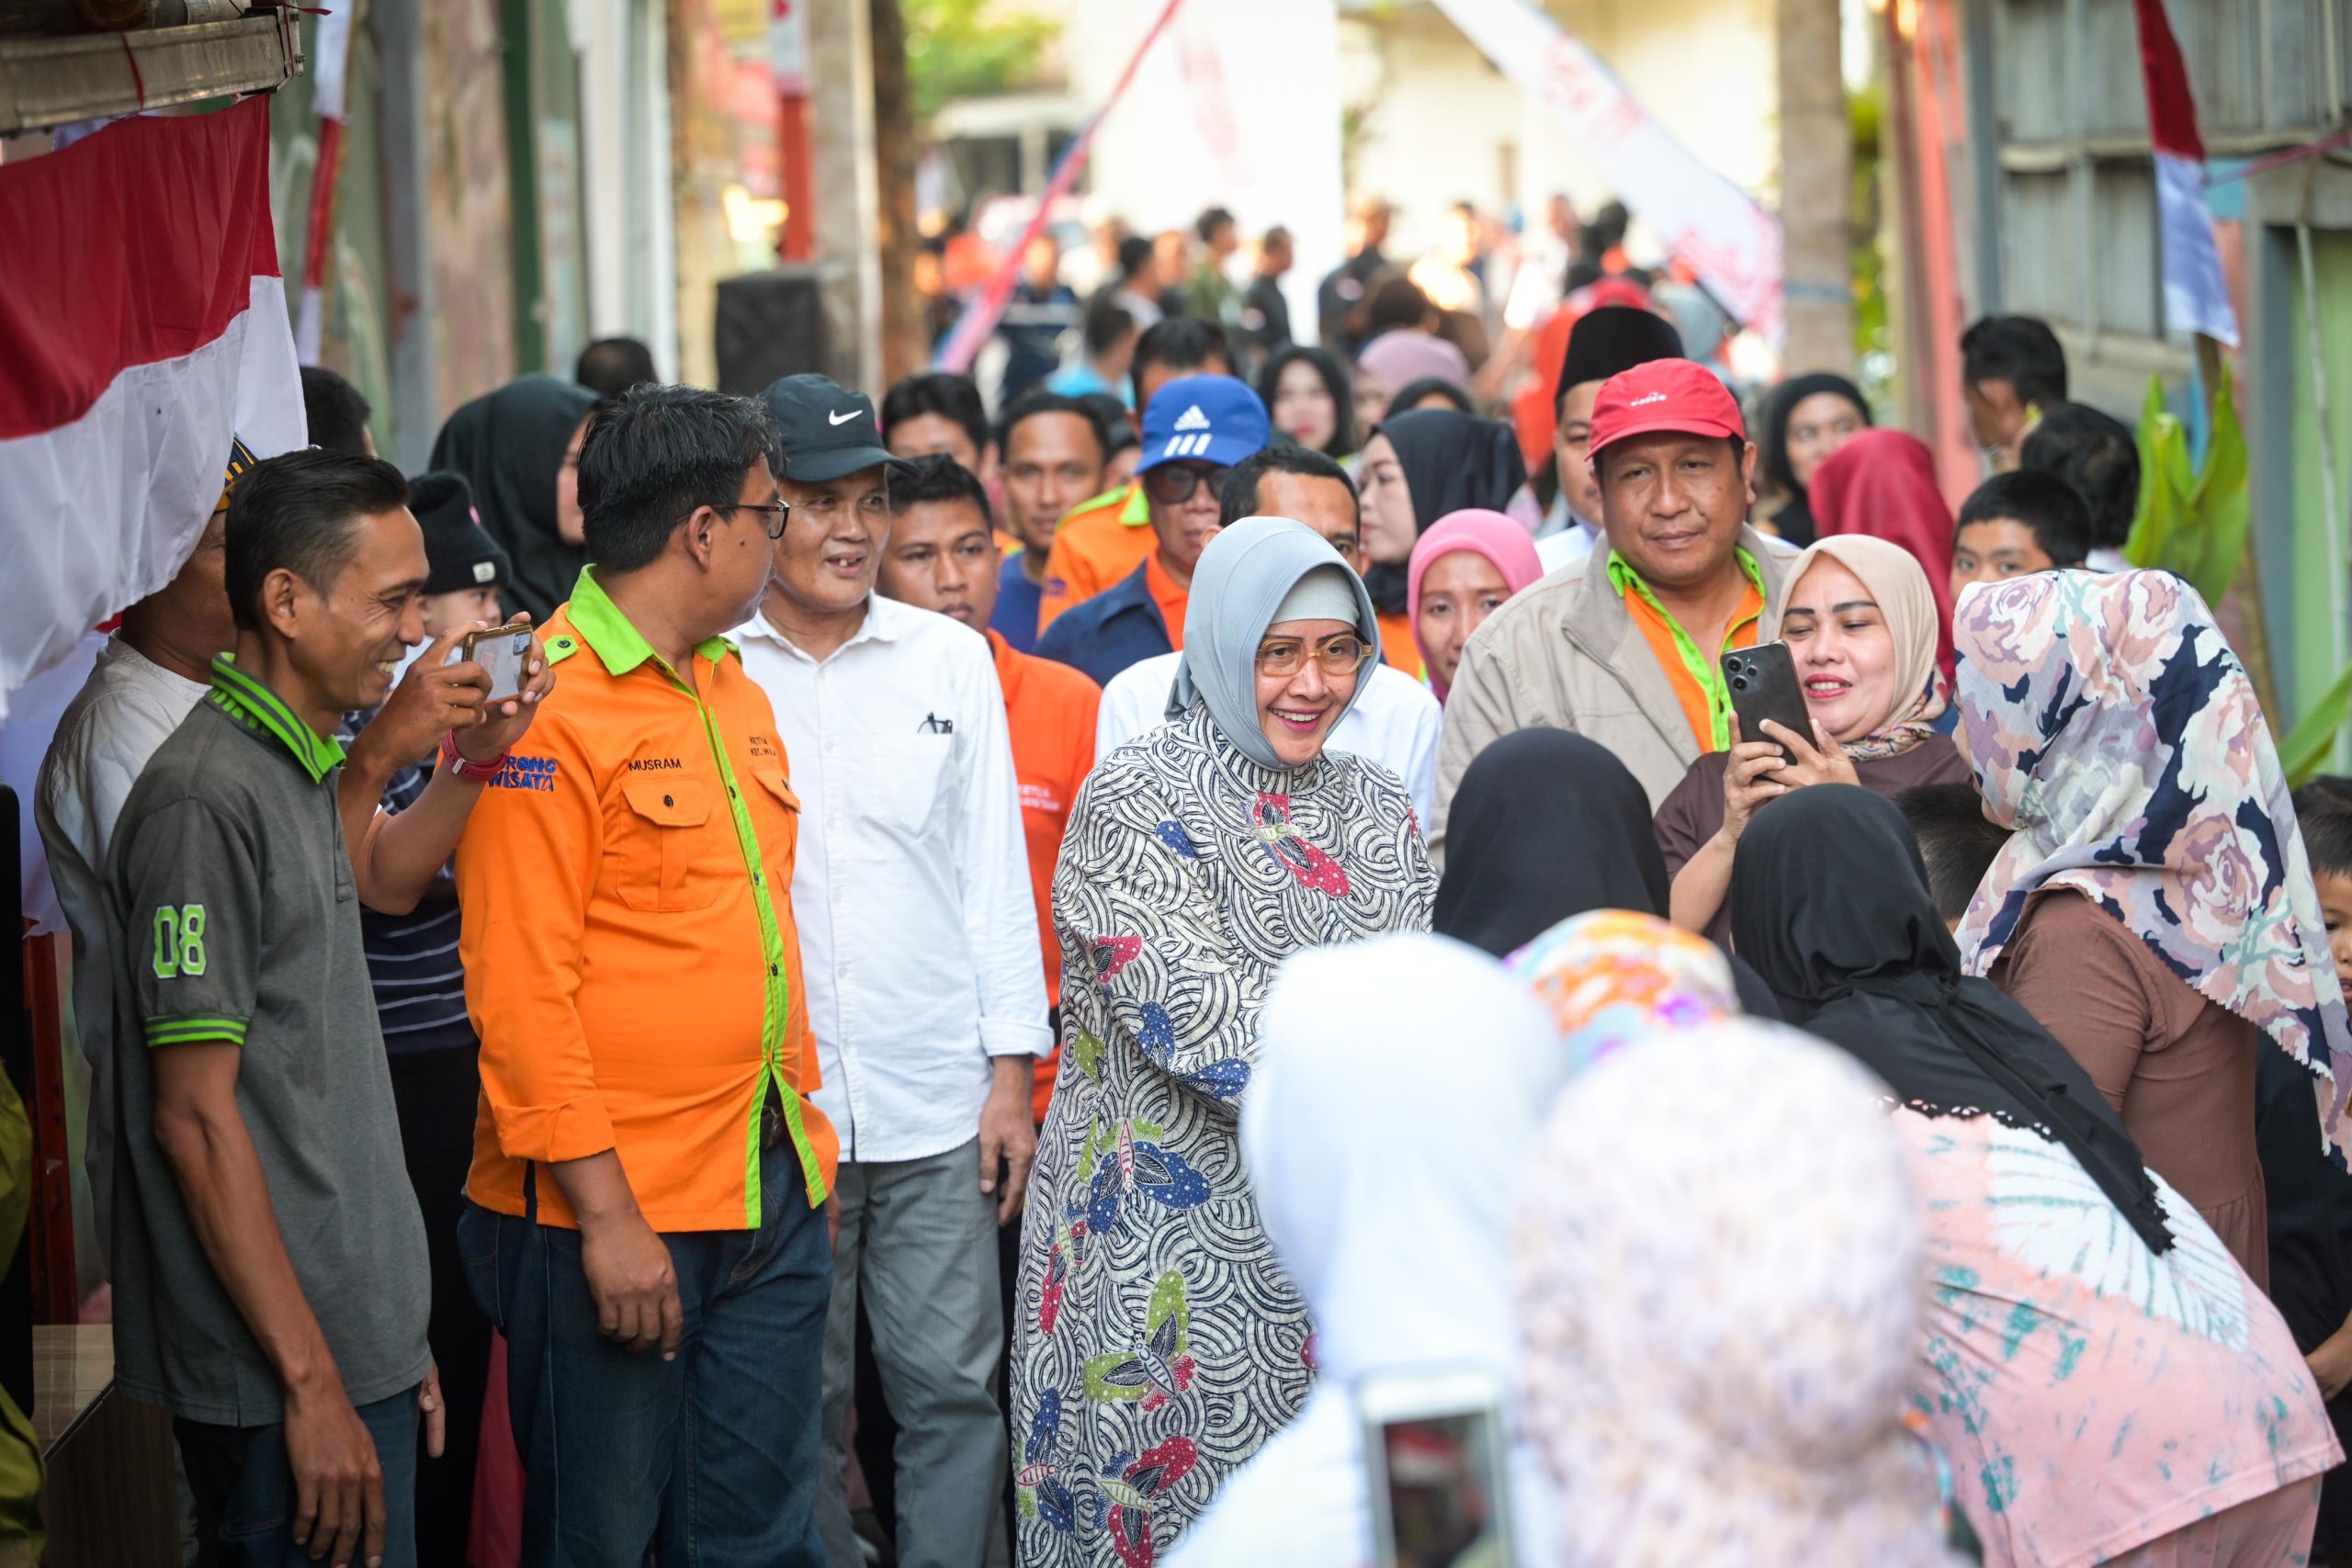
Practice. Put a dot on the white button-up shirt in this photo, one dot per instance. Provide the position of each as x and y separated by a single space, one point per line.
1396 723
910 884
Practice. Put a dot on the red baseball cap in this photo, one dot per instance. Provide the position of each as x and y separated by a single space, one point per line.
1675 395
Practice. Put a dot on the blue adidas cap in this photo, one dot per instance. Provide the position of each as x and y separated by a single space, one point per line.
1203 419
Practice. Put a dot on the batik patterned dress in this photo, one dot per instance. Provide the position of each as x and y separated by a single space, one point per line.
1158 1343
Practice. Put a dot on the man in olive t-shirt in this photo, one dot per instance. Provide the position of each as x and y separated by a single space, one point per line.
271 1280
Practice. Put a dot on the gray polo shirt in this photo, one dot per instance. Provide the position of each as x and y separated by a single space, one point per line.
235 918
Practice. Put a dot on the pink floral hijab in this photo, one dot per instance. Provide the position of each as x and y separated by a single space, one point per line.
2111 726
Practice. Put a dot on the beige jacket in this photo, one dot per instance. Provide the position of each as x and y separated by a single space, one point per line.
1566 653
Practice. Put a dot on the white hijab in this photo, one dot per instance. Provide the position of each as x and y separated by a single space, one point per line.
1400 1085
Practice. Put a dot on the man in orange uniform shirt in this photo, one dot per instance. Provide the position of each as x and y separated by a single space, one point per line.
1104 539
644 1211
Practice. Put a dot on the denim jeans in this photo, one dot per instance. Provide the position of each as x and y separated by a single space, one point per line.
709 1459
245 1490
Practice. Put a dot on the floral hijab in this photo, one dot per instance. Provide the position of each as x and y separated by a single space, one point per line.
1613 978
2114 729
1899 588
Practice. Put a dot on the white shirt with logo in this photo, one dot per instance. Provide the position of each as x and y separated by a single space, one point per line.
911 881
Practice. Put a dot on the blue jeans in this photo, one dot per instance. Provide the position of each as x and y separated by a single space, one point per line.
245 1491
709 1459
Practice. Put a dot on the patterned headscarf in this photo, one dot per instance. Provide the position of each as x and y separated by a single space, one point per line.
1899 588
1615 977
2112 726
1718 1346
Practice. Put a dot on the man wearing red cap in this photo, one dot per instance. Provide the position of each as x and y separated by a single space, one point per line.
1625 647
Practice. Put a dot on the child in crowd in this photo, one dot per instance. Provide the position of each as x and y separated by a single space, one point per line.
2018 523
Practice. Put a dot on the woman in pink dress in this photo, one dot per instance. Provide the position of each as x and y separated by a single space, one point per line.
2108 1383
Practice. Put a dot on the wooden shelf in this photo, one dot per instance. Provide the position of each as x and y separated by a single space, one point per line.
54 80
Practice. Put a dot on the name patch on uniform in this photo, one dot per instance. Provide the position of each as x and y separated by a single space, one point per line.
526 772
649 764
1039 798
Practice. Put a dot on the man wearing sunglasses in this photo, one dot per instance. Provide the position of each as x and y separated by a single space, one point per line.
1194 431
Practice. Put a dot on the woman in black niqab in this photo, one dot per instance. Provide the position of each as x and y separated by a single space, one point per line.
1833 911
1548 824
510 444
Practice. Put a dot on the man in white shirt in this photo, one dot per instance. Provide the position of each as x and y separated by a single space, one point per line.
920 944
1396 722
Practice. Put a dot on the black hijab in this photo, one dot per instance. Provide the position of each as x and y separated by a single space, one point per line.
1452 461
1795 520
509 444
1335 379
1830 900
1547 825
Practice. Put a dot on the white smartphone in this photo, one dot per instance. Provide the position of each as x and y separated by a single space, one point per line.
1436 1460
503 653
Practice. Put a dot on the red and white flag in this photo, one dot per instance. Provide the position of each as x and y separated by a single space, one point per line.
2197 296
143 324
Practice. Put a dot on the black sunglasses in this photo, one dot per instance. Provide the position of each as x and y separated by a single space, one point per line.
1173 484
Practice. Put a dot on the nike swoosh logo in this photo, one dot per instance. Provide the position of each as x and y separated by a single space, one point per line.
841 418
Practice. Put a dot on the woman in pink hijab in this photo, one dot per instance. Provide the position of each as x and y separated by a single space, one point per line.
1882 483
1464 565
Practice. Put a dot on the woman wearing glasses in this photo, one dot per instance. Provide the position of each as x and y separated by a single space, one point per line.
1158 1344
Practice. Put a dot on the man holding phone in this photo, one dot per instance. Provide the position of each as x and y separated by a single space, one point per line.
644 1214
1625 647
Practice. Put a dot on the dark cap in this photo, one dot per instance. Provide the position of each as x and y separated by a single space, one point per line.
827 431
459 554
1612 340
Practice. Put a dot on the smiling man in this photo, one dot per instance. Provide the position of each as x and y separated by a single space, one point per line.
921 940
270 1265
1625 647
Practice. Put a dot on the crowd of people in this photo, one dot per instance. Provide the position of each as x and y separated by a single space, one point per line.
994 968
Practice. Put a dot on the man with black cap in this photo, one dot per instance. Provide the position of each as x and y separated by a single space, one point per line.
1624 647
1602 343
921 945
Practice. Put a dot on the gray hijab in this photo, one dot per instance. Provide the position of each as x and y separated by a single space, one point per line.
1238 583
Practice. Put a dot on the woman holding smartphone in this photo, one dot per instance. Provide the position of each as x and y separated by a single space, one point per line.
1860 623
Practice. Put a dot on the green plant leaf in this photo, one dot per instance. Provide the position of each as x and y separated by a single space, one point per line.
2222 509
2157 534
2309 745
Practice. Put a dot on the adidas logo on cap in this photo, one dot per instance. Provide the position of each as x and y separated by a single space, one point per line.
1192 419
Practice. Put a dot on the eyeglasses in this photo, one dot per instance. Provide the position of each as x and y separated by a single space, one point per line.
780 512
1339 656
1173 484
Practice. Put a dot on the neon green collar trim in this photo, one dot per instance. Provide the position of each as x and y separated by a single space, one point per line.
1137 511
617 640
1697 665
1622 574
261 710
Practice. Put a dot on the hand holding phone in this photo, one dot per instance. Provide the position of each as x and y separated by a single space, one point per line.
1763 681
505 655
1435 1452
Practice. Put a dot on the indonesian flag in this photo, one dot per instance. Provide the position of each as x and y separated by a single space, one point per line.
143 325
2197 298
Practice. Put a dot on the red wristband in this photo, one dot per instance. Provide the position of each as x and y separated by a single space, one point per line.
472 772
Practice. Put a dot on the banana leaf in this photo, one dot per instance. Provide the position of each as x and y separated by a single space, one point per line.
2223 502
2312 742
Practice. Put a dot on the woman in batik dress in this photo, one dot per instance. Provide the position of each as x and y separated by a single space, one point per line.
1158 1344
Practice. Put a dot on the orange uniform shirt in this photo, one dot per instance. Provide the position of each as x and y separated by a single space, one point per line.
1171 598
1698 677
1398 646
1100 544
1051 710
631 961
